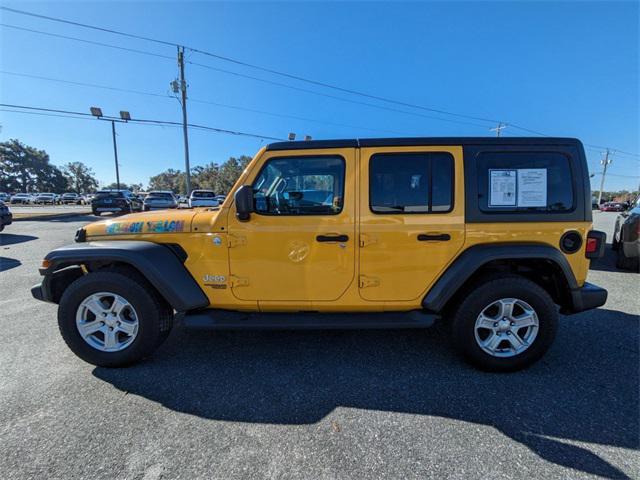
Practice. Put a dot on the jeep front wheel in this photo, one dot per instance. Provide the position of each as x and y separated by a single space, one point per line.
505 324
112 320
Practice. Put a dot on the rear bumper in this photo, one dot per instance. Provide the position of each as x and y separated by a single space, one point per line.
107 209
6 219
588 297
631 249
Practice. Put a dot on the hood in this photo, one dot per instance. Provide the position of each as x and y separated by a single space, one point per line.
162 221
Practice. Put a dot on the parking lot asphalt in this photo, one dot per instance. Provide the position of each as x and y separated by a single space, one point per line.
354 404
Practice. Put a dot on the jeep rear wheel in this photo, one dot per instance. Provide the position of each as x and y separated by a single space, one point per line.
112 320
505 324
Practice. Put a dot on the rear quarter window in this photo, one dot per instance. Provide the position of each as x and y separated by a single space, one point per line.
525 182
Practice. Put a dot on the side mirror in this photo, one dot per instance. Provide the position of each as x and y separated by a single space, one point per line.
244 202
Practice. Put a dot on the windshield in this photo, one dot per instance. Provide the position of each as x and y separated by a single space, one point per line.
162 195
203 195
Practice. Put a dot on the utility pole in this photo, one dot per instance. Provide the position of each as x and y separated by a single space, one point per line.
499 128
115 153
183 92
605 162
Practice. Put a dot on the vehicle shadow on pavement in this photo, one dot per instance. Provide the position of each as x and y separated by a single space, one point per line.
607 263
12 239
65 219
8 263
584 390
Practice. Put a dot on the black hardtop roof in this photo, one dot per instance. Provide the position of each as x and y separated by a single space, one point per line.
419 141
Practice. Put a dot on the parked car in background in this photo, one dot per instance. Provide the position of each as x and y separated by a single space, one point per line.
203 198
4 197
115 201
21 198
5 215
45 199
159 200
626 239
70 198
612 207
220 199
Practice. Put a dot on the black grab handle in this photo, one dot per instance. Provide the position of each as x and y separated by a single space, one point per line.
438 237
332 238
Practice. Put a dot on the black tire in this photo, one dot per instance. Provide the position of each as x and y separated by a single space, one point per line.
155 318
615 243
482 295
626 263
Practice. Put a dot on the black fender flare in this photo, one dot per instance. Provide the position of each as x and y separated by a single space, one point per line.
473 258
158 263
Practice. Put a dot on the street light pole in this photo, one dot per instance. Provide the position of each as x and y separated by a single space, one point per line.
125 116
115 153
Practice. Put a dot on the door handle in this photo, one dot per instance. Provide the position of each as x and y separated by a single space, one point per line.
434 237
332 238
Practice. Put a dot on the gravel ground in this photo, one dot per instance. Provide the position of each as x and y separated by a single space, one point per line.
368 404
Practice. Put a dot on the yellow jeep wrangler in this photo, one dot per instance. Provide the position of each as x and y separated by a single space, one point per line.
492 235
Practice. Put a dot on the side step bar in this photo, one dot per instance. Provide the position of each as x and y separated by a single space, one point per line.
213 319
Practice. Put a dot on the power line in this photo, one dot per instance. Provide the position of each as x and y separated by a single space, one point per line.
83 84
258 79
90 42
277 72
84 25
140 120
326 95
254 66
195 100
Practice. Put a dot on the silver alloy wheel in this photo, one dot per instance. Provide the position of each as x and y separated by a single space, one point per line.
107 322
506 327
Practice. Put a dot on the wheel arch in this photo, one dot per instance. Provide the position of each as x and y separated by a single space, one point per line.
543 264
161 265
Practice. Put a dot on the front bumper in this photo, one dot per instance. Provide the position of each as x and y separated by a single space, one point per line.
53 284
588 297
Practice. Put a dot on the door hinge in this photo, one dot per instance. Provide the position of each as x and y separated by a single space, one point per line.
368 281
366 240
235 240
238 281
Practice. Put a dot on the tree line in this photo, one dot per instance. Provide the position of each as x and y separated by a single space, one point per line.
28 169
212 176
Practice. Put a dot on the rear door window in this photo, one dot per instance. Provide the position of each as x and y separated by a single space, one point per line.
411 182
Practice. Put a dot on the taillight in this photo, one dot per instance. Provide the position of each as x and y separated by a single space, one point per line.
594 246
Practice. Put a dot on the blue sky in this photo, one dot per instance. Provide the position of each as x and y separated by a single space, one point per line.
566 69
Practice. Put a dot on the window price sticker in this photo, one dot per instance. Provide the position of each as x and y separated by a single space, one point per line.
502 188
532 187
